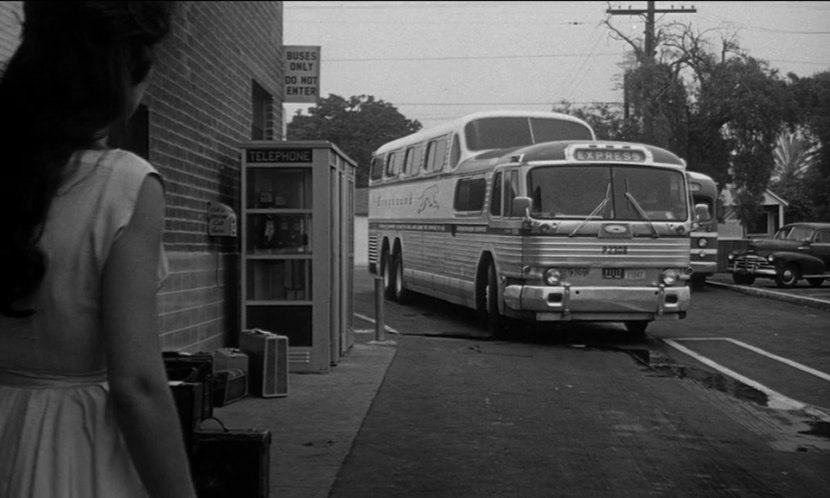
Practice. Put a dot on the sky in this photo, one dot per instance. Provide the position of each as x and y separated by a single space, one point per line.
435 61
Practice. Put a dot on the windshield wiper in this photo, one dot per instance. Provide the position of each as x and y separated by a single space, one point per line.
640 210
595 211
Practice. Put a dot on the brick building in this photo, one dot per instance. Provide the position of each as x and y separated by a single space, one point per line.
216 83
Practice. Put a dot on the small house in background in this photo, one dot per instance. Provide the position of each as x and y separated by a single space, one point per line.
770 219
361 227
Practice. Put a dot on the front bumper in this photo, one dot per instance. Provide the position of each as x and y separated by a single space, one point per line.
752 265
597 303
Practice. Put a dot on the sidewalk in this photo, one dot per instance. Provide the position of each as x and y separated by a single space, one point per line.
765 288
312 429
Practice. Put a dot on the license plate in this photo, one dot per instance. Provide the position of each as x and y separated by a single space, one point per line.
613 273
635 274
623 274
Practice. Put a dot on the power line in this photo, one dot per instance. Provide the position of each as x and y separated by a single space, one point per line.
466 57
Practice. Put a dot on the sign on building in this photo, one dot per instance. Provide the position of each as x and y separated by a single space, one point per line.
302 73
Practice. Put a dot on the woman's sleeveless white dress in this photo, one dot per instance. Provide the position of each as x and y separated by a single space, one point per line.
58 434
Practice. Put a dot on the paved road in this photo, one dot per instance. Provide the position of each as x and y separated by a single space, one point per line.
588 412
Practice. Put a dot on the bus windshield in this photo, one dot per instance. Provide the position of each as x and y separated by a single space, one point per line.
609 192
508 132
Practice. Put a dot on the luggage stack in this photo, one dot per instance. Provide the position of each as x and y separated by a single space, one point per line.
224 462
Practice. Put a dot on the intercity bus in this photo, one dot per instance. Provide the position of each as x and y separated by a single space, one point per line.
704 238
527 216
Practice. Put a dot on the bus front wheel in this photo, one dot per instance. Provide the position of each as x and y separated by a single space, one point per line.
636 327
488 305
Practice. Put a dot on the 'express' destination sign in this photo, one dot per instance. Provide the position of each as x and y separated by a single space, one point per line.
623 156
278 156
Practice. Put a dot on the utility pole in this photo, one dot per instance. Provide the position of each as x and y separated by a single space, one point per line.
649 50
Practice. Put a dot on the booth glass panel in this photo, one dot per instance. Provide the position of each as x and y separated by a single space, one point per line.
278 233
284 280
279 188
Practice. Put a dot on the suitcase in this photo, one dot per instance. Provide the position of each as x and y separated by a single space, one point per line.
267 360
230 358
231 462
231 385
190 377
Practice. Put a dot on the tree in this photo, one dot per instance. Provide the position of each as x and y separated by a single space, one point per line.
608 123
358 126
812 108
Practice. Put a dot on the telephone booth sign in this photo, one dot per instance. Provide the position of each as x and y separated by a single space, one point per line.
298 248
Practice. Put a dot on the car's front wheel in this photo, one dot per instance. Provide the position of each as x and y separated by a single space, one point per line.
788 276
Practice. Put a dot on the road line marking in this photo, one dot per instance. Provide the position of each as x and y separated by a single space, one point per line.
372 320
776 399
786 361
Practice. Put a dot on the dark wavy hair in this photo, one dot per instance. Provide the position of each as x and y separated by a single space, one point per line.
66 84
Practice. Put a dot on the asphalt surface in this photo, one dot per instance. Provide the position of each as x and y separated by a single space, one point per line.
314 427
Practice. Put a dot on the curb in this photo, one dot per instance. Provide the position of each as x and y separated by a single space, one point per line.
780 296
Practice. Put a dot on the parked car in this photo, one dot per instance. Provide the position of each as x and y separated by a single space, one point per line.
796 251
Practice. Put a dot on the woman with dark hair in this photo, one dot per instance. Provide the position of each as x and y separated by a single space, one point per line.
85 408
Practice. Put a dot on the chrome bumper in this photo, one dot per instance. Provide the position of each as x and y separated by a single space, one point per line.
592 303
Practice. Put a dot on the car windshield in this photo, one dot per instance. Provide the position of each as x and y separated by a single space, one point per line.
632 192
508 132
800 234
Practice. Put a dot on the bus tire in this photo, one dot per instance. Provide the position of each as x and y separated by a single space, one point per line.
489 303
400 293
388 276
636 327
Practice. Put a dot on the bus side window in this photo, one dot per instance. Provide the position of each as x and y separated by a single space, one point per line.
440 154
408 161
455 152
511 180
376 171
392 164
469 195
495 196
428 164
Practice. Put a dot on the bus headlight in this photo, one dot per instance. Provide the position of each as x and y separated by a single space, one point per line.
669 277
552 277
701 243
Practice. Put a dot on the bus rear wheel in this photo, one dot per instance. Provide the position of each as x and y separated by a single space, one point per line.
386 271
400 293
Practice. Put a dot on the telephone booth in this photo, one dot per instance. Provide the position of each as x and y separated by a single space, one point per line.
297 263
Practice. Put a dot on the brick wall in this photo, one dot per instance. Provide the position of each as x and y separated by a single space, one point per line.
200 109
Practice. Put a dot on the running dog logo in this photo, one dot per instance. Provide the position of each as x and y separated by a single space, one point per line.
428 199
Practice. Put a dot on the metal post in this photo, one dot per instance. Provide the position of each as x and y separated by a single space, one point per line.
379 325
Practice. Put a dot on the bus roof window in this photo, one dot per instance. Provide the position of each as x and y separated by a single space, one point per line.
506 132
497 133
551 130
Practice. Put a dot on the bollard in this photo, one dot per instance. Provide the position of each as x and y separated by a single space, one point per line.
379 325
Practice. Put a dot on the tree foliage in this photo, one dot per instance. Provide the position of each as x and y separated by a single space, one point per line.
358 126
722 110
